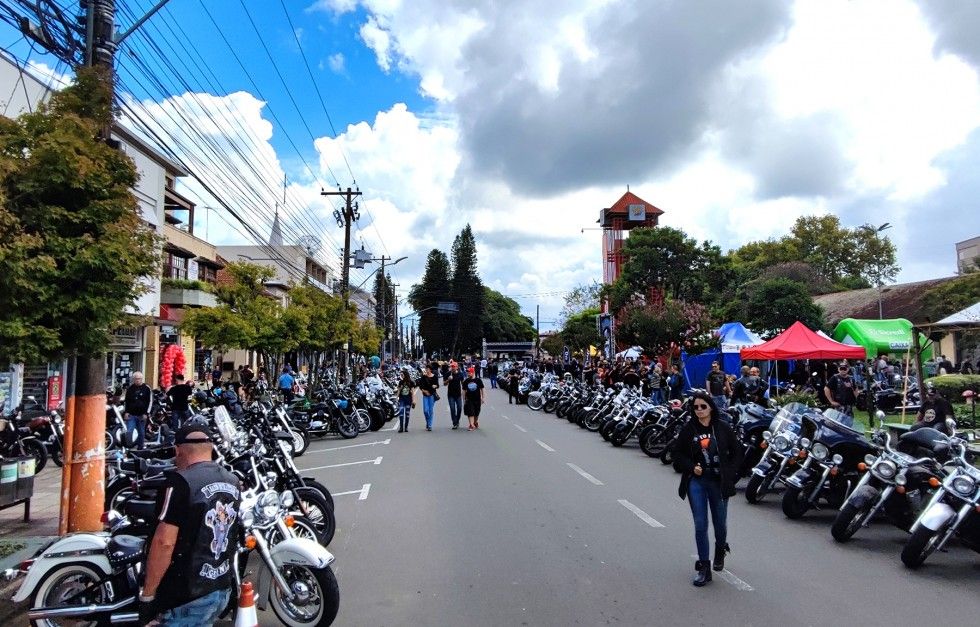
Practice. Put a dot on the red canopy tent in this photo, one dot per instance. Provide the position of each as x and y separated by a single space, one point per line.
799 342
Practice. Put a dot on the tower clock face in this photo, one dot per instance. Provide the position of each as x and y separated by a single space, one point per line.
637 212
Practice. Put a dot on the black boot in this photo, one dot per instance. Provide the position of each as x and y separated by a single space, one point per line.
720 551
703 575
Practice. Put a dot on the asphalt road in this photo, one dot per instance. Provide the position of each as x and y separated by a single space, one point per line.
533 521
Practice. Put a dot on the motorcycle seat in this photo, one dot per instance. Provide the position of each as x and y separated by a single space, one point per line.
140 508
124 549
158 466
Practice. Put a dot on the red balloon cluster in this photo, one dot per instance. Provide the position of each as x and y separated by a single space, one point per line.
172 362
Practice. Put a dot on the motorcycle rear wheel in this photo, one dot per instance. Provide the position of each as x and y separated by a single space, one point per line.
63 582
33 448
321 586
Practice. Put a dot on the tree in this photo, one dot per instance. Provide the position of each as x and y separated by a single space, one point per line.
435 329
366 337
952 296
663 325
580 331
582 297
553 344
384 299
73 249
502 319
771 305
467 290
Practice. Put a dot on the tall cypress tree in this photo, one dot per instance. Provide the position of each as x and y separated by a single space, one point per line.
467 290
434 328
384 296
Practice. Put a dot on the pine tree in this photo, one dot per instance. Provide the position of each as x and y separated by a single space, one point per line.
467 290
435 329
384 299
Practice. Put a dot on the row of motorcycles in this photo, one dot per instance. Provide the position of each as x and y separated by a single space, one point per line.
32 431
287 519
924 481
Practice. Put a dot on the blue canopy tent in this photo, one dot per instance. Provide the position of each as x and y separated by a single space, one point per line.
733 337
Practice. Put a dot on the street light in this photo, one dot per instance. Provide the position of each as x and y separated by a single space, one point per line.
883 227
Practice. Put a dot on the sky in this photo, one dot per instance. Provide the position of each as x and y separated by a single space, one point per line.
524 119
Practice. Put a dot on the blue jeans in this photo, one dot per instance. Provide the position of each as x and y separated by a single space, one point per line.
493 382
428 409
721 401
704 495
202 611
657 396
138 423
455 408
404 413
177 418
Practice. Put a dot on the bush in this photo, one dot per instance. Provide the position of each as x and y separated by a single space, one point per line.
185 284
952 386
807 398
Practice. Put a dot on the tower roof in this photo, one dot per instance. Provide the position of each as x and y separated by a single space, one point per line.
622 205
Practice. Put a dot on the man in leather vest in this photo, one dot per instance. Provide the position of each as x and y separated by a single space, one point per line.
189 574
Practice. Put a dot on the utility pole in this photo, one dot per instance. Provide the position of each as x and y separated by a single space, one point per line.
83 489
350 213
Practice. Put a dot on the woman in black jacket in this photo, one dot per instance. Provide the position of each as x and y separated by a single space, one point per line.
707 453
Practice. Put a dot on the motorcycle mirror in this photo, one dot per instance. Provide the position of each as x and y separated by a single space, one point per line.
32 399
951 424
880 417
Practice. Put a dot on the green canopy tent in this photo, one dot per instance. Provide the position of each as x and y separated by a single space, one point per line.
879 337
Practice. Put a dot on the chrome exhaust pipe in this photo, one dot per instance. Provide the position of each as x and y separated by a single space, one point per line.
41 613
128 617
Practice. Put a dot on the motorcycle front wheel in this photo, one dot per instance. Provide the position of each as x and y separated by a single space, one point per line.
347 426
535 402
848 520
316 601
549 406
363 420
318 511
922 543
300 442
755 489
795 503
67 583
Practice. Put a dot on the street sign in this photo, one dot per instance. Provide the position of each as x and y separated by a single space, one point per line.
447 307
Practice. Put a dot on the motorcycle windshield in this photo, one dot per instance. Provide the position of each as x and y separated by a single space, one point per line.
788 418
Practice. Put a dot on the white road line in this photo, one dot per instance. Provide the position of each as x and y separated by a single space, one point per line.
587 476
545 446
395 428
730 577
506 417
523 430
337 448
375 461
642 515
363 492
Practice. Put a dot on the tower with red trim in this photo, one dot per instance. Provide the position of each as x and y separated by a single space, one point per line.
626 214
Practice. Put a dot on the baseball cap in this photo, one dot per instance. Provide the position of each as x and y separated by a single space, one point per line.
193 433
471 370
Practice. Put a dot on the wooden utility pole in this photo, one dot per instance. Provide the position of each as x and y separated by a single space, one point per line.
349 214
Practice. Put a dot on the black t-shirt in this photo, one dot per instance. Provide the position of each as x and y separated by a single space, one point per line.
705 449
178 395
428 384
453 383
405 390
472 386
935 412
842 389
716 383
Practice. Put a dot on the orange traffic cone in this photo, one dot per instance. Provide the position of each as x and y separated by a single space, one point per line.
246 616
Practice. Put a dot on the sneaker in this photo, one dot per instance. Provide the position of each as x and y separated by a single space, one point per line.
400 430
455 427
428 428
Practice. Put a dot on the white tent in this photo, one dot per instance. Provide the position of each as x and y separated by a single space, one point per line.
632 353
969 317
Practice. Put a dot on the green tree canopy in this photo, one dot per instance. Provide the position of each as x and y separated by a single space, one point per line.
502 319
73 248
435 329
770 305
581 331
467 290
663 325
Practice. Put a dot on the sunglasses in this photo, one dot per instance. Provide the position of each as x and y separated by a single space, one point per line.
701 406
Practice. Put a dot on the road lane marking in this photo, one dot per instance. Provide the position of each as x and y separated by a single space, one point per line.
523 430
545 446
505 417
587 476
375 461
392 429
337 448
730 577
363 492
642 515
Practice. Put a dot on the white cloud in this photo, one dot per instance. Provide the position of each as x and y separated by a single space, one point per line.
337 62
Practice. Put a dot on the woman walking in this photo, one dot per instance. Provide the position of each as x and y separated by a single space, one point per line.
406 400
428 385
707 453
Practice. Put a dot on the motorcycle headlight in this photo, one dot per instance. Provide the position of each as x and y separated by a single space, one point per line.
838 460
804 442
267 506
870 459
885 469
964 485
820 451
248 518
286 499
901 479
781 443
